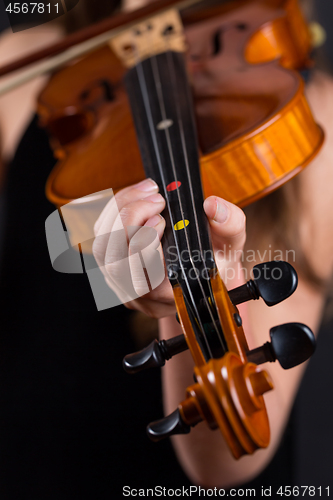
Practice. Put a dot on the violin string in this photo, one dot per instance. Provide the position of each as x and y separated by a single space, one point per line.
171 66
151 126
145 97
159 91
184 148
180 123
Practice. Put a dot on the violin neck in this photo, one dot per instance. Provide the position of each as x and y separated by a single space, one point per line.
162 108
161 103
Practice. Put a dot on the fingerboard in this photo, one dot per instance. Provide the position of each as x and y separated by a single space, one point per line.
162 108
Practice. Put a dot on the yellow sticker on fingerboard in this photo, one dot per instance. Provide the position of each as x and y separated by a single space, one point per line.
181 224
153 36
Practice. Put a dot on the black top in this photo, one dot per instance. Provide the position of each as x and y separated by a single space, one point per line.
72 422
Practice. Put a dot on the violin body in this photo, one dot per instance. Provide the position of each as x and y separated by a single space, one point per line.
251 114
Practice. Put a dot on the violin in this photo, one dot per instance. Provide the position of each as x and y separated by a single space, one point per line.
239 130
241 126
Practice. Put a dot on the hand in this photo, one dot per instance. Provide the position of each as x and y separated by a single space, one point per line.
121 231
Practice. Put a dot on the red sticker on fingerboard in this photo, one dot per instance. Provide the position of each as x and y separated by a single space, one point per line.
173 185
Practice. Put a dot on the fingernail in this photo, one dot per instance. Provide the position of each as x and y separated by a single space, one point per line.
154 221
147 185
221 213
155 198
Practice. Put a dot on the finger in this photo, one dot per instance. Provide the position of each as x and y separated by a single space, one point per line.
150 266
106 219
122 296
111 250
124 268
160 301
113 246
134 215
227 222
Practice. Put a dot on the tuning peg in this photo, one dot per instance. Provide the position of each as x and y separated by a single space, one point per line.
155 354
168 426
291 344
273 281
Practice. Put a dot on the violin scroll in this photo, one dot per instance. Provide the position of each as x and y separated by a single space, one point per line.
228 396
228 390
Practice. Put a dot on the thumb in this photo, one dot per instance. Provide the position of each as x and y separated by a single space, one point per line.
227 223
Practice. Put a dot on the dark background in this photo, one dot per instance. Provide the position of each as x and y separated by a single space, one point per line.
4 21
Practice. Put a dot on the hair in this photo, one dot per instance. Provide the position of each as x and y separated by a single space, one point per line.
280 229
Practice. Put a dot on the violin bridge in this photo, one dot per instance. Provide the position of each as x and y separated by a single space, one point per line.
153 36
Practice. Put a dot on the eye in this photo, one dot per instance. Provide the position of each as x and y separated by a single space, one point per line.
217 42
217 38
